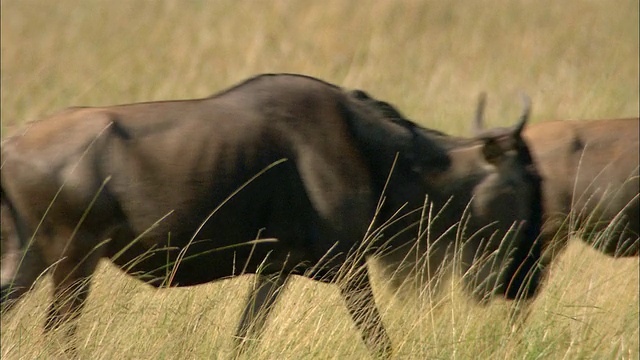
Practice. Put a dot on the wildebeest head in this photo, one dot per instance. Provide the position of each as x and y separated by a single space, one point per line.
486 195
510 197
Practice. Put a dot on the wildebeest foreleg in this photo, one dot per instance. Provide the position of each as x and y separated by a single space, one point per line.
262 298
358 296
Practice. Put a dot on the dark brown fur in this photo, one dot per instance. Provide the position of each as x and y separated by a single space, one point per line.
175 192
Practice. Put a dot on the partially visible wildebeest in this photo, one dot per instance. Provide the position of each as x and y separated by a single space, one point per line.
591 184
278 176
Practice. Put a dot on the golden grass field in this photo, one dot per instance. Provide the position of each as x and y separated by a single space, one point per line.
576 59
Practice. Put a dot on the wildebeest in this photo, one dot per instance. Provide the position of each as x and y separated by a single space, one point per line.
280 175
591 184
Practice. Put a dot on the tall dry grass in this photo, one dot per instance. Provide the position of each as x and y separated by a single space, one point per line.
576 59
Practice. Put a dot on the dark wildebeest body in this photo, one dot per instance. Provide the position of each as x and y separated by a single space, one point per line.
174 193
590 171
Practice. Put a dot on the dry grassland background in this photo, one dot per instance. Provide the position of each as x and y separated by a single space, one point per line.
576 59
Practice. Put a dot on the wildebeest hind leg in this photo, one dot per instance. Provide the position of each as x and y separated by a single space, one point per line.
358 296
71 280
29 266
262 298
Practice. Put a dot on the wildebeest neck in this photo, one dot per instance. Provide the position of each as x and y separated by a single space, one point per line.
391 143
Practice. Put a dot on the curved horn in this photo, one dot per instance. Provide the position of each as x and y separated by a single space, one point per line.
478 123
524 117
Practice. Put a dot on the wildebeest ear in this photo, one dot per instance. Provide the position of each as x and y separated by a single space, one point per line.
492 151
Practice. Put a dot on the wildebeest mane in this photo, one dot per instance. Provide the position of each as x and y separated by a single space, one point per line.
389 112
